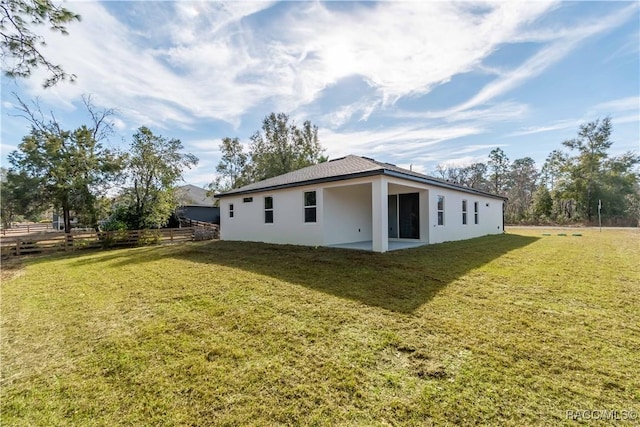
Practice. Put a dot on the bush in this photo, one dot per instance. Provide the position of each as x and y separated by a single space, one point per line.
149 237
114 224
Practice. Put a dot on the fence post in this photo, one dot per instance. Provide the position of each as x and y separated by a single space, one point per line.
171 234
17 245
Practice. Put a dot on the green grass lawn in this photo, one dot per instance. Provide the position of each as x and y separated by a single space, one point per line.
514 329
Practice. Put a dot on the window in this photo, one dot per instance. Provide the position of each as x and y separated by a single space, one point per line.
247 200
440 210
309 206
268 210
476 210
464 212
230 210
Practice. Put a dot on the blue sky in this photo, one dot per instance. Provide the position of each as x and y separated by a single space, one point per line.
410 83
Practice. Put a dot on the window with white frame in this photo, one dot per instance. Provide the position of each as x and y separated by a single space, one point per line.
476 212
464 212
440 206
310 206
268 210
230 210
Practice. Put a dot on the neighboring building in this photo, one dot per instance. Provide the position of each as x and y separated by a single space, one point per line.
196 205
357 202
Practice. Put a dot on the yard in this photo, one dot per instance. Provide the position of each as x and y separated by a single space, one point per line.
514 329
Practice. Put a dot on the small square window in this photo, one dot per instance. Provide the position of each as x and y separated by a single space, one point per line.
230 210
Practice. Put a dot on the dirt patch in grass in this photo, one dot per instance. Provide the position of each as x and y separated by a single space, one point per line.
10 268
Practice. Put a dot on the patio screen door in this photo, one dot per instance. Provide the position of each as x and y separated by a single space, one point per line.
404 216
409 215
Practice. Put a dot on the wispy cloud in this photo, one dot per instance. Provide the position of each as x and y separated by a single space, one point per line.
396 142
546 57
492 113
563 124
630 103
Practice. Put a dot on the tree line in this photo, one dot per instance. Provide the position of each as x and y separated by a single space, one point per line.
73 171
572 186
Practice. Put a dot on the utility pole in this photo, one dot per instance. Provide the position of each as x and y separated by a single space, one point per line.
599 216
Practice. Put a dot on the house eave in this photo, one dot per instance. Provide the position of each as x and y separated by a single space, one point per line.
301 183
441 184
386 172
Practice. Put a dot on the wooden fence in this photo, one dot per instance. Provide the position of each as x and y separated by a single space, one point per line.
53 242
32 227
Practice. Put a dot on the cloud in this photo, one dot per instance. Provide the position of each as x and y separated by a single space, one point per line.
341 115
631 103
203 61
546 57
503 111
622 110
150 84
563 124
397 142
398 47
631 118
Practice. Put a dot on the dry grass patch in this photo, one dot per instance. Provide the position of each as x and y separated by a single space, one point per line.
505 330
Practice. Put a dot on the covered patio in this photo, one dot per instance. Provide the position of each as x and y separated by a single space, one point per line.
375 214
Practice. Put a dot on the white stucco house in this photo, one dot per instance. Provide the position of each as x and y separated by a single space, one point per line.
357 202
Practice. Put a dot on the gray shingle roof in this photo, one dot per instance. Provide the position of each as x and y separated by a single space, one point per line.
347 167
190 195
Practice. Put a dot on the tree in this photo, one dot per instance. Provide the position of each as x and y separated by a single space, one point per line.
499 167
20 197
21 46
476 173
586 168
154 166
554 168
619 185
522 179
542 203
472 176
283 147
633 205
68 168
232 168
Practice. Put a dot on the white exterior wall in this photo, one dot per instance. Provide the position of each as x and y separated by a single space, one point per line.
347 212
489 220
288 218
